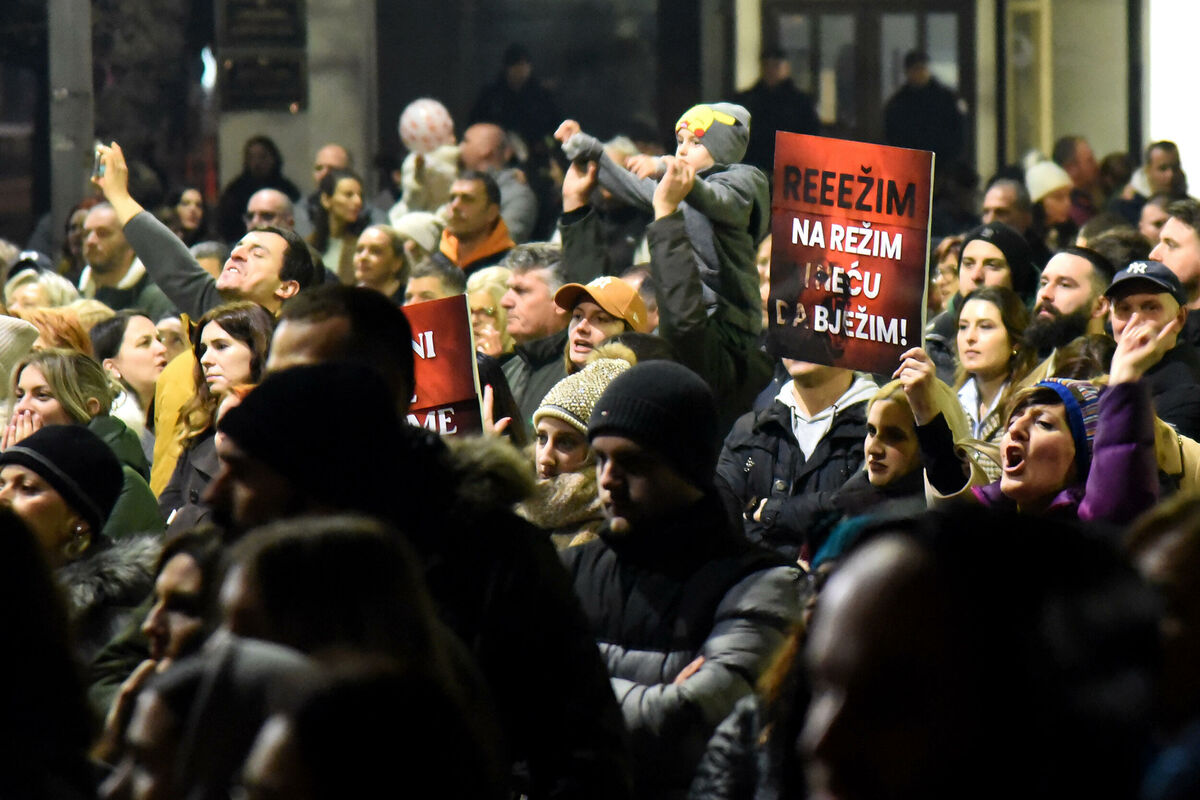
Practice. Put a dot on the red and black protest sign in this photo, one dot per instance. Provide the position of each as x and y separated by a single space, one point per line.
446 399
849 251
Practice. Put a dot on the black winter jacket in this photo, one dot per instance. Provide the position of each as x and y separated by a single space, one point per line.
761 459
660 598
1174 385
500 586
533 370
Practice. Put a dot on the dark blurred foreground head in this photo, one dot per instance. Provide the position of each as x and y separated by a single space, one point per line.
978 654
194 724
372 730
1165 547
332 583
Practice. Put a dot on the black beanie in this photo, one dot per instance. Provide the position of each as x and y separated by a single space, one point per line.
78 464
1017 253
330 429
667 408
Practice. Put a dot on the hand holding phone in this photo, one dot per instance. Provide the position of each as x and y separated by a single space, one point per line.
97 162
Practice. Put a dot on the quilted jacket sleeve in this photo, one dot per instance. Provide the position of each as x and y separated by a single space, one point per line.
676 719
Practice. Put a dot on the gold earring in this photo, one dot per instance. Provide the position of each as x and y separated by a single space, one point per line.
79 542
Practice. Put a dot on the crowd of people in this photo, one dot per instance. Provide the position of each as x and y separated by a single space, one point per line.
671 565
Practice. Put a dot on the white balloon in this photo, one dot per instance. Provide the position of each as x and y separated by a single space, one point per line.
426 125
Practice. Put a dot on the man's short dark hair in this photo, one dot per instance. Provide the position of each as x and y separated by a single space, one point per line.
1186 211
1021 199
297 260
380 336
489 183
914 57
1121 246
537 255
1102 223
453 279
648 288
1064 149
1091 687
1102 268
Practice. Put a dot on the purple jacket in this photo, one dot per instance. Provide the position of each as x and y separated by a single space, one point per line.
1123 479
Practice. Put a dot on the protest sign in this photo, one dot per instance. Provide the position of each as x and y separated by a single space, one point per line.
446 399
849 251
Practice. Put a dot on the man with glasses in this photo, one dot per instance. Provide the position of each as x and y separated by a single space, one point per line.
269 207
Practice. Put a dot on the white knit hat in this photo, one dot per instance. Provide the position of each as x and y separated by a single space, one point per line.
1045 177
422 227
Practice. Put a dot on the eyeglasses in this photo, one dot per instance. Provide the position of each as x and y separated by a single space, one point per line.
260 217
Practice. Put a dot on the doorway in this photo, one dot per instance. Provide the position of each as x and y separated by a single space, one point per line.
849 55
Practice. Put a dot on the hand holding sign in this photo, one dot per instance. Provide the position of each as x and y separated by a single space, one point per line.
850 238
916 374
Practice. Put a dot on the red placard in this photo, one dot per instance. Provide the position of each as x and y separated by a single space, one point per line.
446 399
849 251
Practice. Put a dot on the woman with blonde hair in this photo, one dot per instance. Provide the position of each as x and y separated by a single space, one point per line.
65 387
566 500
489 319
90 312
37 289
893 472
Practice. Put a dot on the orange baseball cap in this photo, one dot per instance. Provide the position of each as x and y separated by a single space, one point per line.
613 295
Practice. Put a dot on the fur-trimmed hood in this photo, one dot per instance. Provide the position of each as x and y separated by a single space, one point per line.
490 471
121 570
105 586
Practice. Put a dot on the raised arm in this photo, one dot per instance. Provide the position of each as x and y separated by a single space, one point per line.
728 197
625 186
1123 479
165 256
585 256
945 471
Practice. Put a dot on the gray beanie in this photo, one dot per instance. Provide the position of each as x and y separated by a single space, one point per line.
723 129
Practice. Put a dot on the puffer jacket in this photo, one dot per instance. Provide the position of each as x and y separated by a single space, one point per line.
743 761
761 459
659 600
